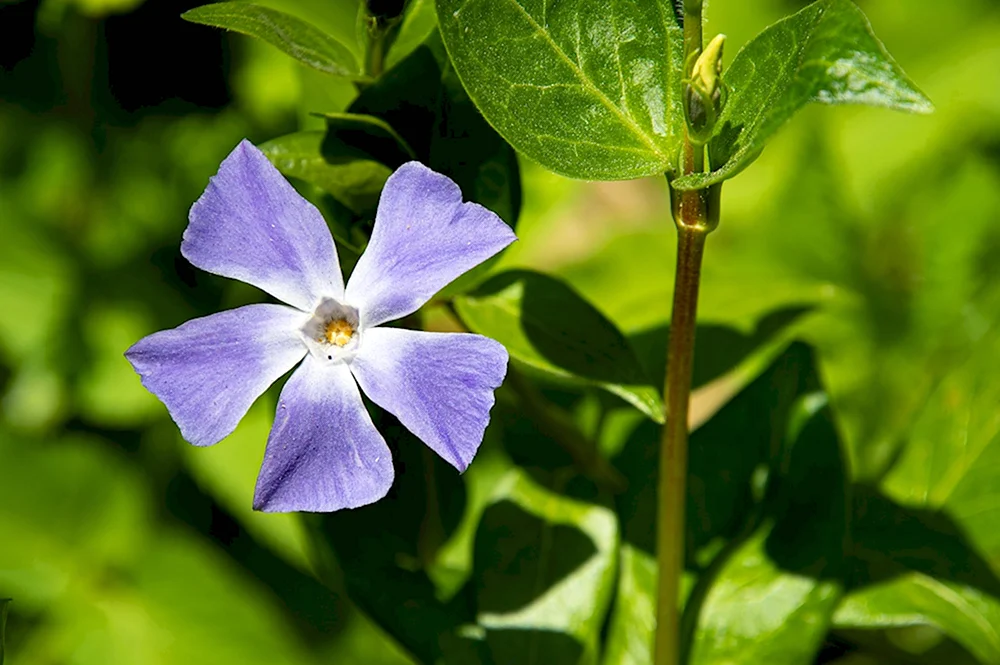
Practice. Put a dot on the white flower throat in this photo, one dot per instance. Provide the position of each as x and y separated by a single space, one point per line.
332 333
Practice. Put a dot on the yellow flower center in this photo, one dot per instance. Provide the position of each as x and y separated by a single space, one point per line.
338 332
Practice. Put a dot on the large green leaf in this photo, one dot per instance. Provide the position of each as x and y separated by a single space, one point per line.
588 88
544 574
547 327
826 53
304 42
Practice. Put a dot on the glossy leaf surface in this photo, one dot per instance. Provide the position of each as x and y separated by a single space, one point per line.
588 88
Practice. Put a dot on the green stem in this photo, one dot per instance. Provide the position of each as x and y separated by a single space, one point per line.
694 220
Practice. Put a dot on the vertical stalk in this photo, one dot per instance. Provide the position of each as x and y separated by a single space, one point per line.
694 220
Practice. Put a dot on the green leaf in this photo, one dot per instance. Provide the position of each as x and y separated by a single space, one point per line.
544 572
348 175
630 636
940 509
419 21
549 328
307 44
587 88
825 53
771 599
367 134
966 614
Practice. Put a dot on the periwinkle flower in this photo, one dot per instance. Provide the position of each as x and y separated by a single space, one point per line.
323 452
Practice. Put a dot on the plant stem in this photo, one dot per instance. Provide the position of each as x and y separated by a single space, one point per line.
694 217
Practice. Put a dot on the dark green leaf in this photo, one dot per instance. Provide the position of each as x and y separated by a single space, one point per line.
826 53
368 135
544 573
307 44
345 173
419 22
3 624
766 522
588 88
549 328
939 513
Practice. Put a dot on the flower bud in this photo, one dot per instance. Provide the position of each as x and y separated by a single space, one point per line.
703 90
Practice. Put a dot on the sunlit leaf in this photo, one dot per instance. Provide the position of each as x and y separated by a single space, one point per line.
969 616
944 517
419 22
589 89
302 41
826 53
549 328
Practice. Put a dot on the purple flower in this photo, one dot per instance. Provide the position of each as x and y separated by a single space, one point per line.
323 452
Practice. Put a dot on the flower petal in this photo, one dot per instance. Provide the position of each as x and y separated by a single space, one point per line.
439 385
209 371
323 453
424 237
251 225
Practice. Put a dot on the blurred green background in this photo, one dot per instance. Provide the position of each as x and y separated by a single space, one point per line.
122 544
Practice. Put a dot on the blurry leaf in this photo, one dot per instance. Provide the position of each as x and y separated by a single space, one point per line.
544 574
825 53
36 287
419 22
367 134
930 545
3 624
307 44
82 549
109 390
970 617
353 179
634 620
588 89
549 328
229 471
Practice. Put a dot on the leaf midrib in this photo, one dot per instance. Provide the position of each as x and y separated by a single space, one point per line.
587 83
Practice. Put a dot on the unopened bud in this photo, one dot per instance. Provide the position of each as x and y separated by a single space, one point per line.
703 91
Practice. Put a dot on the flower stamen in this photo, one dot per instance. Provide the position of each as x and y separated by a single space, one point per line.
339 332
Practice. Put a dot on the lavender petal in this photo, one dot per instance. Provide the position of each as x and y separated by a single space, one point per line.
251 225
323 453
209 371
439 385
424 237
